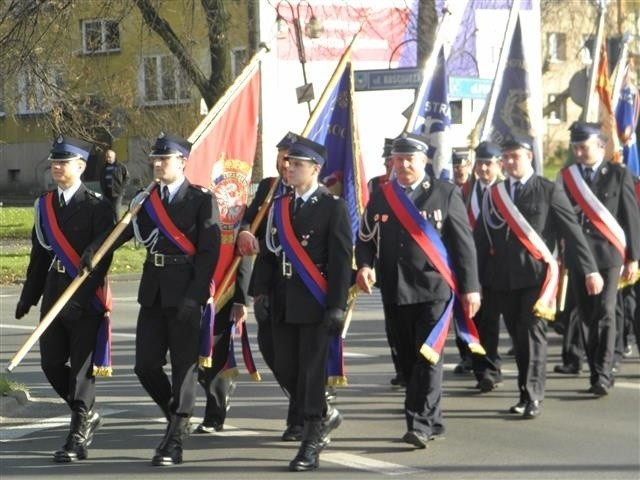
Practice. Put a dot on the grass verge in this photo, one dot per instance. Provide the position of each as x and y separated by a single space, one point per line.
7 385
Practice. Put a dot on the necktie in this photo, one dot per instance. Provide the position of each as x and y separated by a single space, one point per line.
62 201
165 195
479 190
298 205
517 190
588 175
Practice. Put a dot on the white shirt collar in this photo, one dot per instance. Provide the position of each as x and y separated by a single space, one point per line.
173 187
306 195
69 192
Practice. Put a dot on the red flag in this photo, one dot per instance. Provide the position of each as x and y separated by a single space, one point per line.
607 116
224 147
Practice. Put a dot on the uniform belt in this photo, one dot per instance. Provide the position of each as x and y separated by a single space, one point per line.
162 260
287 270
58 266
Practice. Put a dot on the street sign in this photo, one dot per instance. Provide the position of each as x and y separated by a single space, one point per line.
469 87
305 93
387 79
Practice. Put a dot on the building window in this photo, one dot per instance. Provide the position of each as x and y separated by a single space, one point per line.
238 60
33 97
100 36
557 108
163 81
556 47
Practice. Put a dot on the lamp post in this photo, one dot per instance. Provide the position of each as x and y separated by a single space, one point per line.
313 30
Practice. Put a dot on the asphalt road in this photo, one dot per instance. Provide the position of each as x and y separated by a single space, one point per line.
577 436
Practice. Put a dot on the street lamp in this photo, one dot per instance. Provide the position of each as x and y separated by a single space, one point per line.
313 29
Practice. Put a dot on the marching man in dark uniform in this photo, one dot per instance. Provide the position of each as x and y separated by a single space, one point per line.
249 244
67 221
486 368
179 226
603 195
403 224
521 221
307 279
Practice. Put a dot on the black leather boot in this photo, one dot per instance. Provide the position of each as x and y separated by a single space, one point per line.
83 426
169 452
308 457
331 421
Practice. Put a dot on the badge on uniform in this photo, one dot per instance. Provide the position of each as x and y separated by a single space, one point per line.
305 240
274 230
384 217
437 216
376 217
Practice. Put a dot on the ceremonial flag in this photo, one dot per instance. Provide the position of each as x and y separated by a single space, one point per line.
627 111
433 118
221 159
512 112
335 128
606 116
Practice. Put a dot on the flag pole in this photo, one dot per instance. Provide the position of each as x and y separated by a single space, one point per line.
335 77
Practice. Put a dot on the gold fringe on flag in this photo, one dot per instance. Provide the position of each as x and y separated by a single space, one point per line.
205 362
256 376
102 371
337 381
230 373
626 283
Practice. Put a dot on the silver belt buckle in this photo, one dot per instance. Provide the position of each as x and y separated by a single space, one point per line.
60 267
287 271
158 260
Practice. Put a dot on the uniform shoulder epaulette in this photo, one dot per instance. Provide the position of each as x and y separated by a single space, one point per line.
93 193
201 188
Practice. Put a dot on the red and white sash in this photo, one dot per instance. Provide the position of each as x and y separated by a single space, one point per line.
545 306
595 211
473 211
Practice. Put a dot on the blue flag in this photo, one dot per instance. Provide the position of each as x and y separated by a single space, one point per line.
343 173
433 119
512 115
627 120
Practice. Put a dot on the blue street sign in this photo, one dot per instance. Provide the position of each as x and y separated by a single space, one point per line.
468 87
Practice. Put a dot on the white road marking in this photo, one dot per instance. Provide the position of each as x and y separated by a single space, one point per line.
19 431
365 463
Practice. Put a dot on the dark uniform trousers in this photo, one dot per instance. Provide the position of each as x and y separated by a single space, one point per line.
414 294
613 186
514 278
265 262
488 365
161 292
300 340
67 345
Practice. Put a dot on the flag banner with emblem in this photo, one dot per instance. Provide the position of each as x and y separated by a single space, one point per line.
221 159
335 128
433 118
512 114
606 114
332 123
627 112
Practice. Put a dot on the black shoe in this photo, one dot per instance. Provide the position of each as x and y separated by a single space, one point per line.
94 422
209 427
332 421
73 449
308 457
599 389
463 367
169 452
416 438
398 382
566 369
83 426
533 409
628 351
518 408
293 433
487 385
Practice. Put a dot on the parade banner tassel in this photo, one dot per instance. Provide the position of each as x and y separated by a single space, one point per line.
335 366
247 355
207 324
